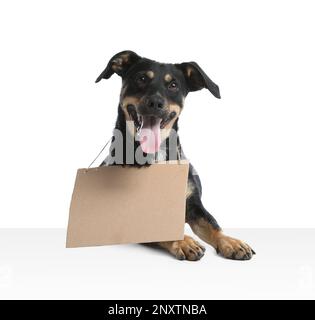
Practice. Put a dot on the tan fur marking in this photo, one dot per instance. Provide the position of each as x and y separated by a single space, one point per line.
226 246
166 130
125 57
204 230
118 62
125 102
129 100
189 190
150 74
187 249
116 67
168 77
174 107
189 71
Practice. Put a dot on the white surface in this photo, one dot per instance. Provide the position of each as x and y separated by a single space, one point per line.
35 265
254 148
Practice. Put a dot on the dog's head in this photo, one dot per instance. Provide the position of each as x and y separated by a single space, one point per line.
153 93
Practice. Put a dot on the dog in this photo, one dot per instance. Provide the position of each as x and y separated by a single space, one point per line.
152 98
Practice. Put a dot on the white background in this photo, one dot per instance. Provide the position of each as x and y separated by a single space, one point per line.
254 148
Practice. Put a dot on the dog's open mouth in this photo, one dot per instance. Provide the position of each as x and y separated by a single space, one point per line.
150 134
149 129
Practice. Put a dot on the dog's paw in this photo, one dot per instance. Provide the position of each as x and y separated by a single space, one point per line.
187 249
235 249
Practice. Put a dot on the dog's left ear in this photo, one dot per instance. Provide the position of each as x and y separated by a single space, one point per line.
197 79
119 63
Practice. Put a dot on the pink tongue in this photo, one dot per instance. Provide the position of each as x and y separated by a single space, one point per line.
150 137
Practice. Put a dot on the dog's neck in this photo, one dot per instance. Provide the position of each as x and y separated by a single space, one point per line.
131 144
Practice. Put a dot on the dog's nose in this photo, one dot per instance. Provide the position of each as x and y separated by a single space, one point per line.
155 102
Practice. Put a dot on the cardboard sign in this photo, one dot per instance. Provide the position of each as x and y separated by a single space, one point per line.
115 204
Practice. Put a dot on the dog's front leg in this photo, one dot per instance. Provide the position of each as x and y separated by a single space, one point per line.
206 227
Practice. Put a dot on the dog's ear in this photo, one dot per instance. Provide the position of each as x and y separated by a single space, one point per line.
197 79
119 63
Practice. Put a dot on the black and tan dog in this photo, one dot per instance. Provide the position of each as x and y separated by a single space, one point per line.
152 97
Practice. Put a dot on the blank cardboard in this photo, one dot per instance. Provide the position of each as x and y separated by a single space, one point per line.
116 204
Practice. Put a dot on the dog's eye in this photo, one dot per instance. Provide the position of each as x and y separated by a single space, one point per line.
173 86
141 80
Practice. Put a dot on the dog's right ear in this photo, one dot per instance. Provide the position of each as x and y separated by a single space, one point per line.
119 63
